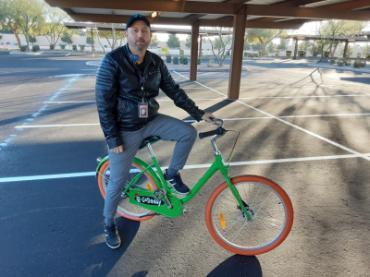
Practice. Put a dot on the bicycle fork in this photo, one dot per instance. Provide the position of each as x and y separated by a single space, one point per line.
244 207
224 171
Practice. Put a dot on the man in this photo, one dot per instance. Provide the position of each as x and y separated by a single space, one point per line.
127 81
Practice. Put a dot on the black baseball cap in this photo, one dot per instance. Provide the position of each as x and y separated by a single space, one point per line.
137 17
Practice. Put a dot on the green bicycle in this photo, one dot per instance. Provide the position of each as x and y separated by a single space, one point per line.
246 215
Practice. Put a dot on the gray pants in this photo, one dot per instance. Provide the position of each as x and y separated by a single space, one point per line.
168 128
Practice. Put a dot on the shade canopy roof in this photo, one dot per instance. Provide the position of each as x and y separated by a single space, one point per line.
288 14
154 28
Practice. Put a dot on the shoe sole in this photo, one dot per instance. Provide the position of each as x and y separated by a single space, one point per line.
181 193
113 247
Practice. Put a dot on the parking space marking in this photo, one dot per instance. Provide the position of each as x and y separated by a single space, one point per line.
159 100
54 96
55 125
304 96
72 102
190 121
345 148
187 167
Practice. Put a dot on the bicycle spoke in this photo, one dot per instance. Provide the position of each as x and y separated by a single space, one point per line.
238 232
259 207
270 217
233 222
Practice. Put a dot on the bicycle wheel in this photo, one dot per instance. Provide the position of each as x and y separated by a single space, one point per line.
125 208
271 216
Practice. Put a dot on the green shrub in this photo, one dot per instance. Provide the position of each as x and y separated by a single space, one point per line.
23 48
35 48
168 59
359 63
184 60
340 62
175 60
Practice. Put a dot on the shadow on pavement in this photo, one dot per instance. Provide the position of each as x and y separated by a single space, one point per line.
105 259
363 80
238 266
54 228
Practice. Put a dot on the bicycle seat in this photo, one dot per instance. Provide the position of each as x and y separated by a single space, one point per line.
150 139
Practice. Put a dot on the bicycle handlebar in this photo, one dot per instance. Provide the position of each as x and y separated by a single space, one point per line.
219 131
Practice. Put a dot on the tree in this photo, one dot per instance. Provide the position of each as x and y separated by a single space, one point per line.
29 18
54 29
66 37
331 29
154 41
188 42
22 16
111 37
283 44
220 46
8 20
262 37
173 41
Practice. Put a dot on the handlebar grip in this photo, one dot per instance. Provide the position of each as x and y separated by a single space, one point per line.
218 131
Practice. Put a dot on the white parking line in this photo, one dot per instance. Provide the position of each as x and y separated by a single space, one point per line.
68 125
55 125
54 96
304 96
159 100
187 167
225 119
292 125
71 102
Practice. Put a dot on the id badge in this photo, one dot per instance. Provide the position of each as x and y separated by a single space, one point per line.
143 110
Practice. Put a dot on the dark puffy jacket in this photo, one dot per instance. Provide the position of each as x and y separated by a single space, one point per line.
119 91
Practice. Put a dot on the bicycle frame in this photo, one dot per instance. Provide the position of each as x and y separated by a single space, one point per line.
174 206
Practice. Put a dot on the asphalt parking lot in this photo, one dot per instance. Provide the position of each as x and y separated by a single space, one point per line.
305 127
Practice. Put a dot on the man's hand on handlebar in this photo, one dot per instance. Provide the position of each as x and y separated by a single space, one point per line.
210 118
118 149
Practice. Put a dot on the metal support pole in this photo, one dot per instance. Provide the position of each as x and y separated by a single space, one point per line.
295 49
194 51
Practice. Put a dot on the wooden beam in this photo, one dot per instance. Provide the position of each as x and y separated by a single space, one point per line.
194 51
193 17
151 5
317 13
112 18
237 55
273 25
224 22
350 5
235 1
294 3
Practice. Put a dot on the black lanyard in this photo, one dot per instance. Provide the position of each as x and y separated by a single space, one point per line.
141 77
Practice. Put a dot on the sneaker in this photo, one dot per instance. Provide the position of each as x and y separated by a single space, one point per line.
177 184
112 238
